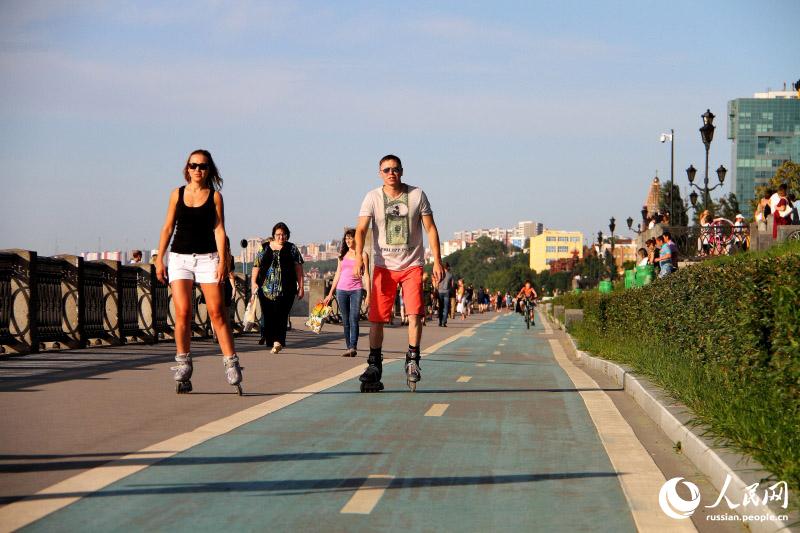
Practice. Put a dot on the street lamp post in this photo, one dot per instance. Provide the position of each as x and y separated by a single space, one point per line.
671 138
611 226
639 229
707 134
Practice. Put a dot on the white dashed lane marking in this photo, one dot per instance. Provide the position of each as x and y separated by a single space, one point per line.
437 409
368 495
463 379
480 364
496 352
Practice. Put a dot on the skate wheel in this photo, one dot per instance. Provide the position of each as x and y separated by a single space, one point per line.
239 389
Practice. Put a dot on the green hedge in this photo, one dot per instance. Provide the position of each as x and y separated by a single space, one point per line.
723 337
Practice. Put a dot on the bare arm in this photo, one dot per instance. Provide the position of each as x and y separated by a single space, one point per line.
365 277
361 234
433 240
334 283
219 237
166 235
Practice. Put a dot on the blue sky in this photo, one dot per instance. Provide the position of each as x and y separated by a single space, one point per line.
501 111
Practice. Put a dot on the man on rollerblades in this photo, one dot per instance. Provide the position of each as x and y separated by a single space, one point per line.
398 213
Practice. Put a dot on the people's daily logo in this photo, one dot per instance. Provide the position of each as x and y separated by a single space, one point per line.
672 504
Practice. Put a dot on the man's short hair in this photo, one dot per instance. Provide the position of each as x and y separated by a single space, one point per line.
782 187
137 253
390 157
667 234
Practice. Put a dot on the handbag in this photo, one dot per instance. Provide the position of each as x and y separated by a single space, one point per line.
249 320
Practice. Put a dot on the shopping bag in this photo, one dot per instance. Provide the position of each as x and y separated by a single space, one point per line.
317 316
249 321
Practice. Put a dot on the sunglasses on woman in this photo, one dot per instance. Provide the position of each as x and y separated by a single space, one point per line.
200 166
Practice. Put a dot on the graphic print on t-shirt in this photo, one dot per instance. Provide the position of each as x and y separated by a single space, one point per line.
396 221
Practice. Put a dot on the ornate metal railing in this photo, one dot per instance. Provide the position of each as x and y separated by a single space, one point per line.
49 274
7 262
64 301
696 243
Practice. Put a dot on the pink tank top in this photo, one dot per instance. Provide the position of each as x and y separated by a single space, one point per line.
346 280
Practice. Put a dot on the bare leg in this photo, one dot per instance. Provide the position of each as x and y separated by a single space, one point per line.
414 330
216 312
182 294
375 334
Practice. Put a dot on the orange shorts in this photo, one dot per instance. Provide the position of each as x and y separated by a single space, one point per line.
384 290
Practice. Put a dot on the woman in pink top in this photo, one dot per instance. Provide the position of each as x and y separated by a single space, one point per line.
348 289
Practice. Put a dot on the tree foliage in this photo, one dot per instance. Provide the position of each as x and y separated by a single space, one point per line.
788 173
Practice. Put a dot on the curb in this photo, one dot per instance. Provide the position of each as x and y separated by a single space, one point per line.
672 418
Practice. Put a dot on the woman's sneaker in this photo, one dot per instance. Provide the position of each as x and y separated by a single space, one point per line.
276 347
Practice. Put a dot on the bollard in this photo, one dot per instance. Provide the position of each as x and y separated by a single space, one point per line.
572 316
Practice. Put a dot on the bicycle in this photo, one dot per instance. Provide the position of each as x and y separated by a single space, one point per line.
528 306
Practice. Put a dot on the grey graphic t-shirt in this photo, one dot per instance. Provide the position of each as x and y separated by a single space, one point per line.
397 227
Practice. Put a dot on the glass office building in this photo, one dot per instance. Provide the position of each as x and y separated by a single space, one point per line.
765 131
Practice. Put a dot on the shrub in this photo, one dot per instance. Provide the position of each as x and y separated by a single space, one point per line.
723 337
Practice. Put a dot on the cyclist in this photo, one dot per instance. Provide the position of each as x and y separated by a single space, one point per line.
527 294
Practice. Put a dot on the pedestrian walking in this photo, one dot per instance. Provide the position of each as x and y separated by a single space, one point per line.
443 289
277 279
347 288
195 223
398 213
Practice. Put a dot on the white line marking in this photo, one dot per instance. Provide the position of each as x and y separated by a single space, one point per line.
504 338
490 360
639 476
368 495
480 364
437 409
496 352
464 379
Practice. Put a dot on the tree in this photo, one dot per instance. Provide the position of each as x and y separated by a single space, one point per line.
728 207
788 173
681 215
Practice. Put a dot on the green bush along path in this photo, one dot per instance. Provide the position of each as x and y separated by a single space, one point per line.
723 337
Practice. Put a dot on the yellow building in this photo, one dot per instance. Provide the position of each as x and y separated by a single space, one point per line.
551 245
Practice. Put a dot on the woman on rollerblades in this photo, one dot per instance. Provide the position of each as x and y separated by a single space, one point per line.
195 223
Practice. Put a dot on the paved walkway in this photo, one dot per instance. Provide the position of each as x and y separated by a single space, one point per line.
498 437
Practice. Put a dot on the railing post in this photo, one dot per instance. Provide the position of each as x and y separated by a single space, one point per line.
71 290
110 302
18 267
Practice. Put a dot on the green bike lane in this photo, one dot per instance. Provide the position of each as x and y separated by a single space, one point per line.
512 449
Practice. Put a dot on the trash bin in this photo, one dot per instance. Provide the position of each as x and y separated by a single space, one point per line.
645 275
605 287
630 279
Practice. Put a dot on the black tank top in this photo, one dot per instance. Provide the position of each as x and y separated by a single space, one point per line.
194 232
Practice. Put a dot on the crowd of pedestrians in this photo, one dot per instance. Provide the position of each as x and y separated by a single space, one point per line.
661 253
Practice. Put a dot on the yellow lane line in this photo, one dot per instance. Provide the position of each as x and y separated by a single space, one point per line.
437 409
368 495
464 379
640 478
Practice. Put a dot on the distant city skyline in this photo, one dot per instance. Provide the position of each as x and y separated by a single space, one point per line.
500 111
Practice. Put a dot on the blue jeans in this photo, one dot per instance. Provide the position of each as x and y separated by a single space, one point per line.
666 269
350 309
444 307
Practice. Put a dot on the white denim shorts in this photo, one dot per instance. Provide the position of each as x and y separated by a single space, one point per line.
201 268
